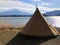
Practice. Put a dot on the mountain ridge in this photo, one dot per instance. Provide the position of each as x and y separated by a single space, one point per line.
53 13
14 12
17 13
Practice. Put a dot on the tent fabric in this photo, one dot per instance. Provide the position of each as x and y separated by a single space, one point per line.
39 26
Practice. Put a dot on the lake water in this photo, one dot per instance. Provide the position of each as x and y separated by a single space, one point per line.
21 21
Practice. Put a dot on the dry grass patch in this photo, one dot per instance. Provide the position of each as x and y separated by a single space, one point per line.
6 35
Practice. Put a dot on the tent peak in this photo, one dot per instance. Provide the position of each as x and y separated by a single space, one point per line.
36 6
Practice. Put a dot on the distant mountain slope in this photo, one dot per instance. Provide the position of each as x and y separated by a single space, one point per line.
53 13
14 12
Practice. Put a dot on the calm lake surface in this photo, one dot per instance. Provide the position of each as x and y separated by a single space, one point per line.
21 21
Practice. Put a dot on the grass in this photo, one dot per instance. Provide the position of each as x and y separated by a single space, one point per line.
7 34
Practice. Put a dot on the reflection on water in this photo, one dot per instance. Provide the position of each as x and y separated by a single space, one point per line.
13 21
54 20
21 21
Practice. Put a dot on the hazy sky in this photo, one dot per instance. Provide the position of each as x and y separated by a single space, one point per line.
29 5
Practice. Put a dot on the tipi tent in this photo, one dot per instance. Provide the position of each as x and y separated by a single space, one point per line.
38 26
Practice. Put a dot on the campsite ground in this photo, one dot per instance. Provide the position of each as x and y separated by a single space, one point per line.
6 36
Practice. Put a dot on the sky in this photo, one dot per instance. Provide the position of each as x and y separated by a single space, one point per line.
30 5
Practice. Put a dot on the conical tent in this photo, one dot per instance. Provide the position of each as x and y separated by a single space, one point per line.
38 26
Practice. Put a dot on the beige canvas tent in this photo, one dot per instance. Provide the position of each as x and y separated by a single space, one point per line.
38 26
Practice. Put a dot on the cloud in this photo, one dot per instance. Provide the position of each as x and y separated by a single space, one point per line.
47 9
26 7
9 0
40 2
36 0
46 4
16 4
4 9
